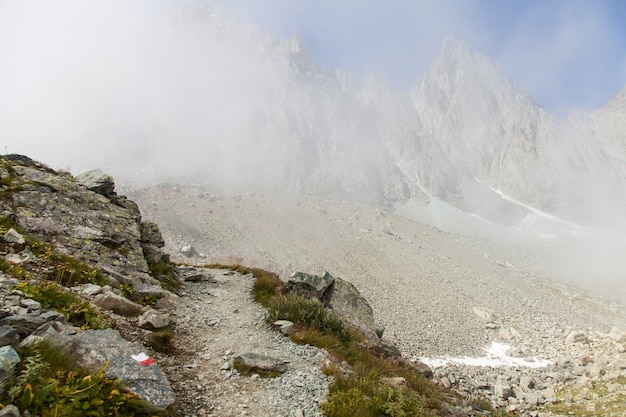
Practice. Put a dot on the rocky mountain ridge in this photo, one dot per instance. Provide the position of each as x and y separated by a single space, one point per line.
464 130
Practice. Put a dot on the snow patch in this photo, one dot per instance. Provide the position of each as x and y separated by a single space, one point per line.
574 229
495 357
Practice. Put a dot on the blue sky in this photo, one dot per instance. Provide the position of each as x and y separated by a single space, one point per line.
567 53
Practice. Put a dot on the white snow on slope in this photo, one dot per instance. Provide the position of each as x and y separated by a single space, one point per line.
495 357
575 229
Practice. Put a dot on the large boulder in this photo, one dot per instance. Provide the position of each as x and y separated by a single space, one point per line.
94 348
347 303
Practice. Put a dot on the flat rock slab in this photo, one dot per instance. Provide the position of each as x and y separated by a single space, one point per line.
94 348
118 304
260 364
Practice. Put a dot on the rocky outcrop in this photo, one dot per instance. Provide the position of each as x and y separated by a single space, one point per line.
97 181
81 230
344 301
99 228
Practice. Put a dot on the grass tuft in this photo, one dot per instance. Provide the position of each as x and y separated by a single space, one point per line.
78 312
162 340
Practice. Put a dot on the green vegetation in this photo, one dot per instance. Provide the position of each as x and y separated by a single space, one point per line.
162 340
46 384
53 265
600 399
65 269
79 313
165 271
309 315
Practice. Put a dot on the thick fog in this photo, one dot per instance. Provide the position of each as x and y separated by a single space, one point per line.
144 85
156 89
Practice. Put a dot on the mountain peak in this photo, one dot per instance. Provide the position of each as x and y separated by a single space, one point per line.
457 58
455 48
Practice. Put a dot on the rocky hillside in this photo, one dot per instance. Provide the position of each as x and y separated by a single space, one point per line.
96 320
77 261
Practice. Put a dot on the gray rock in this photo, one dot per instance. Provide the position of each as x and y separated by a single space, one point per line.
380 330
51 315
196 277
256 363
187 250
10 411
595 371
93 348
151 290
24 323
8 360
309 285
153 320
502 390
20 258
12 236
9 336
30 304
286 327
349 305
150 233
118 304
526 383
97 181
576 337
90 289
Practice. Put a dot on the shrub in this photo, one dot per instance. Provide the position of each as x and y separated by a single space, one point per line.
308 314
161 340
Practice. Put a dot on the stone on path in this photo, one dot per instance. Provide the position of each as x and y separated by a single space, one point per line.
257 363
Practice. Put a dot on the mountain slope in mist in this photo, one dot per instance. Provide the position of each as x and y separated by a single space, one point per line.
187 91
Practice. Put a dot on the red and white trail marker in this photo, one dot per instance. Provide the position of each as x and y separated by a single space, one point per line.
143 359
